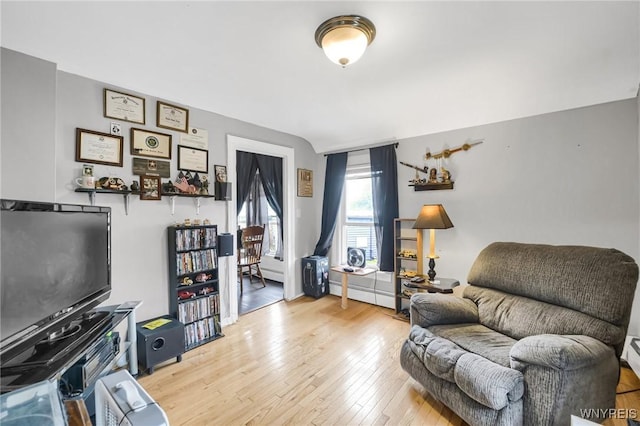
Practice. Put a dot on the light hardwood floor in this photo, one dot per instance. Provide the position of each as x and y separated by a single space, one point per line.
302 362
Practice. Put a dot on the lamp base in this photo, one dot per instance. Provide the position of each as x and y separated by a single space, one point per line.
432 271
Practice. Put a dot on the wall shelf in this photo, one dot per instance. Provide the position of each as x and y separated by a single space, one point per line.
125 193
431 186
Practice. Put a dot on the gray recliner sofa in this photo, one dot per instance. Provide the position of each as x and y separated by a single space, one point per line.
536 337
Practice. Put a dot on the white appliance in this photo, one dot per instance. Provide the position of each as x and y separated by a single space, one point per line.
121 401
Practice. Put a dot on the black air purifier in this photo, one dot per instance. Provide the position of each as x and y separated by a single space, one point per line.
315 276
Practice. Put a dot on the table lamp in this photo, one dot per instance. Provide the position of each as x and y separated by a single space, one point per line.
432 217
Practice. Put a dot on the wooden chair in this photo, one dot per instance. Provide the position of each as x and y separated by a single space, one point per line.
250 252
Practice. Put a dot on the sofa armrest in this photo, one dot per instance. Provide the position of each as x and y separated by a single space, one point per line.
429 309
561 352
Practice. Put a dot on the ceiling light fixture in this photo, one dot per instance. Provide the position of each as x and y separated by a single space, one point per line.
345 38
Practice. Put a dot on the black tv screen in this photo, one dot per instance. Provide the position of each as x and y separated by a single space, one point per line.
55 262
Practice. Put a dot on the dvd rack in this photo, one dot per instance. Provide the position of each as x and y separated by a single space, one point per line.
200 332
194 298
198 309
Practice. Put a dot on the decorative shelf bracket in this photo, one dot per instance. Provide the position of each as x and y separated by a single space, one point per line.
126 204
92 196
197 202
172 201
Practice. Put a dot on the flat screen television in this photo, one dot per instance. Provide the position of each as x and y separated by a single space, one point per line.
55 265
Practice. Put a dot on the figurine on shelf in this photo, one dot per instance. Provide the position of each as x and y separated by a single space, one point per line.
446 175
204 189
135 186
433 175
186 281
113 183
168 188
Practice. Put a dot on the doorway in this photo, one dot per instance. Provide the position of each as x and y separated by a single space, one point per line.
259 183
234 144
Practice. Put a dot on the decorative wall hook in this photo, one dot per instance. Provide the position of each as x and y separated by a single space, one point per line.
434 180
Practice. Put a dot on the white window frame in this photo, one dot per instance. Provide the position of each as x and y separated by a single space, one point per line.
356 163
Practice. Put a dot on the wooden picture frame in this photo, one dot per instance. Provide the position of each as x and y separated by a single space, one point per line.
221 173
193 159
172 117
150 187
123 106
305 183
98 148
150 144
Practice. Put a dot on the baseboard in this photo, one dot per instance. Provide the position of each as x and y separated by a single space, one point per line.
376 298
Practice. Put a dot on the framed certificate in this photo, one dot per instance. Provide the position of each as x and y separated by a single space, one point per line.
193 159
123 106
98 148
305 183
150 144
172 117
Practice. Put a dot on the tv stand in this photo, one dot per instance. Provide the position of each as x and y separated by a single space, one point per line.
50 360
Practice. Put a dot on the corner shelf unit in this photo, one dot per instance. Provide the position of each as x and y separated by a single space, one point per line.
194 291
405 238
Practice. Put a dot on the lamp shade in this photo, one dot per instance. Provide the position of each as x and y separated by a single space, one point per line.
345 38
433 216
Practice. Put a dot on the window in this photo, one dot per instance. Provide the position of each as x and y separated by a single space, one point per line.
357 220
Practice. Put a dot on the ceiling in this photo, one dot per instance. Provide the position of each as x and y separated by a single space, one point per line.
434 66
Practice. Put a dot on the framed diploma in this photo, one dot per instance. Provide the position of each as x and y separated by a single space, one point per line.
150 144
98 148
305 183
172 117
193 159
122 106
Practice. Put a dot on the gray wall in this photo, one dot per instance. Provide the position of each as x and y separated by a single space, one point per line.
28 127
570 177
139 246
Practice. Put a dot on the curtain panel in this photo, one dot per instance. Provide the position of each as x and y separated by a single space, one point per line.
333 185
246 166
384 187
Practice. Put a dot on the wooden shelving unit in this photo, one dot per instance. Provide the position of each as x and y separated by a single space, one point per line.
405 238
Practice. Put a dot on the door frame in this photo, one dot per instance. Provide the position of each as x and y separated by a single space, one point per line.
237 143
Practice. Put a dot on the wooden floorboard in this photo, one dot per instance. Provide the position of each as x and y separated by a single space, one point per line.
307 362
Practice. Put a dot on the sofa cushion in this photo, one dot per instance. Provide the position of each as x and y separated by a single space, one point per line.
596 281
478 339
438 355
490 384
486 382
520 317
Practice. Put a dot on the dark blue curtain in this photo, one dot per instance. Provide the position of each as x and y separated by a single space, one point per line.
333 184
246 167
384 187
271 175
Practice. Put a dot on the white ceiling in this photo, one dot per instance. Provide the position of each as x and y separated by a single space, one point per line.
433 66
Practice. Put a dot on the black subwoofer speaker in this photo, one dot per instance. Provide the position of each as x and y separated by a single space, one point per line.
225 244
223 191
159 345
